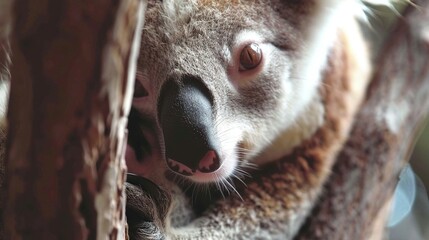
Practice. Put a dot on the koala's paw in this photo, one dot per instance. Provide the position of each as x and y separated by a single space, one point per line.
146 209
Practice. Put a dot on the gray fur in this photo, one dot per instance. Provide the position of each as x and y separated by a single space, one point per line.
198 38
191 38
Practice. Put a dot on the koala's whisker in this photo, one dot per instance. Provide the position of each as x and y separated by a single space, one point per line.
250 165
241 150
194 196
237 175
231 186
242 172
219 187
225 186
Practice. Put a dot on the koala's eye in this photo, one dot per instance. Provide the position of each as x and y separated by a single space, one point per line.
139 90
250 57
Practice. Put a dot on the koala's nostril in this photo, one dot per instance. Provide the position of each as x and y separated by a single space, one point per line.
209 163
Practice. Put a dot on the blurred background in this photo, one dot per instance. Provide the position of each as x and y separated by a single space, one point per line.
410 215
413 197
420 157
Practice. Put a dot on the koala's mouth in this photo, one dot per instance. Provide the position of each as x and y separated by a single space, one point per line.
222 170
214 170
208 164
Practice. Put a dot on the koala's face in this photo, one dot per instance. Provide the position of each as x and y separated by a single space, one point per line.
221 79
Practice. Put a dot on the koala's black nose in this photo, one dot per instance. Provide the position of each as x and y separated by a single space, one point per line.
186 119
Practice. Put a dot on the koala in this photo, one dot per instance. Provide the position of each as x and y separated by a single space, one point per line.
239 110
247 100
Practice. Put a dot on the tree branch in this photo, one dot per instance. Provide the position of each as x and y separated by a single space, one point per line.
368 167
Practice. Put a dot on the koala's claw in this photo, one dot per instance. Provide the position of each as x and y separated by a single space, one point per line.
146 208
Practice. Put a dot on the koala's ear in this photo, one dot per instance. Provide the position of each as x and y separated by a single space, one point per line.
136 138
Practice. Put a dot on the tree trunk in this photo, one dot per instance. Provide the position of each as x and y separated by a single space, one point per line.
355 198
73 78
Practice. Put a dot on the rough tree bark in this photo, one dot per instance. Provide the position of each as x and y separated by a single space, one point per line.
356 197
73 77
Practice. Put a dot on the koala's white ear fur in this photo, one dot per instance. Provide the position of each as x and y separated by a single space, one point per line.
4 96
363 10
381 2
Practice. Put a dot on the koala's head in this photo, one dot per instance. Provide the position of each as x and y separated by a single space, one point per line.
221 79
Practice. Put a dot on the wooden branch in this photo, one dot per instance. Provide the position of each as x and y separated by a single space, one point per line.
367 169
73 75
